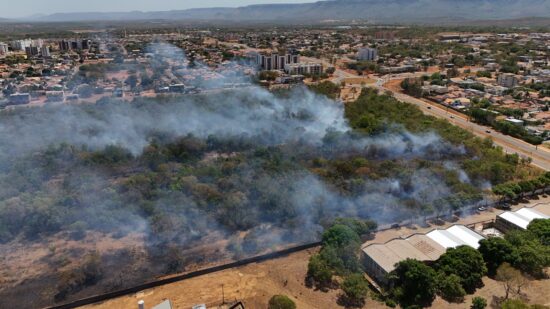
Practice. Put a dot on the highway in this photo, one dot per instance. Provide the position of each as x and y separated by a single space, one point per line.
540 157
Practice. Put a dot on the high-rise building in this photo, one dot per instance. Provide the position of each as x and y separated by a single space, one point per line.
38 43
31 51
64 45
86 44
45 52
367 54
3 48
274 61
21 44
75 44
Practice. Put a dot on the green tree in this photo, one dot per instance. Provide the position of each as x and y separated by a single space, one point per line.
281 302
450 287
465 262
478 303
533 257
412 86
369 124
355 289
361 227
495 251
318 271
540 228
340 235
413 283
326 88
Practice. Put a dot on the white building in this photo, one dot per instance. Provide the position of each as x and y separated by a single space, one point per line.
507 80
21 45
3 48
519 219
45 51
367 54
309 68
514 121
274 61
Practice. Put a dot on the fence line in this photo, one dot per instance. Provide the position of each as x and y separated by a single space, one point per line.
193 274
256 259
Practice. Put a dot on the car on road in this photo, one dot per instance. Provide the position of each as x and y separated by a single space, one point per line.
487 131
482 208
452 117
429 107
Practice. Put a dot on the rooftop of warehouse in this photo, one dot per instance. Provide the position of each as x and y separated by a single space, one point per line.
422 247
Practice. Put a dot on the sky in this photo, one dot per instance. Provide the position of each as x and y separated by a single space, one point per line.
23 8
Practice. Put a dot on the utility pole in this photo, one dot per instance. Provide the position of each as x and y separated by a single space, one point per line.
223 296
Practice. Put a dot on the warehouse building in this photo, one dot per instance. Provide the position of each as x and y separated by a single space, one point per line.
520 219
380 259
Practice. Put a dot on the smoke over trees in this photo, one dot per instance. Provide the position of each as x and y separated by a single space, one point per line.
246 169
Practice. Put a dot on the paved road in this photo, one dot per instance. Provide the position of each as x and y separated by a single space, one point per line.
540 158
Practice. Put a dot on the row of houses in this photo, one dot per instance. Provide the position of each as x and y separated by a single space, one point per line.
379 259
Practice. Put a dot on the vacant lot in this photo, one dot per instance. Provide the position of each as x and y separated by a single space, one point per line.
256 283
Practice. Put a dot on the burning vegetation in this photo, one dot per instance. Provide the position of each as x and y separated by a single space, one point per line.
246 170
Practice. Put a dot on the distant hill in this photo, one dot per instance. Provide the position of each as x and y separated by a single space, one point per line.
379 11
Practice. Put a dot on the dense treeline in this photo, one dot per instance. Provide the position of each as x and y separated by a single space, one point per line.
483 161
51 190
512 190
258 191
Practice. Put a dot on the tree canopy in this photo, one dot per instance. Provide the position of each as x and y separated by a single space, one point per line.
413 283
466 263
495 251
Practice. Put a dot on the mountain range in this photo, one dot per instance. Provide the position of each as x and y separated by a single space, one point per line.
377 11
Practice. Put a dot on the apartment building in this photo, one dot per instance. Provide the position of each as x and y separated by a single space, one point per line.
507 80
304 69
274 61
367 54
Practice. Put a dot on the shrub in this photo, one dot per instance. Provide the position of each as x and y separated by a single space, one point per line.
355 288
478 303
281 302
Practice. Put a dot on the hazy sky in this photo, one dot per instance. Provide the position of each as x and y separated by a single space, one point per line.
21 8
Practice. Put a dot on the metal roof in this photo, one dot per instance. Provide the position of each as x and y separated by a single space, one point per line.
422 247
456 235
522 217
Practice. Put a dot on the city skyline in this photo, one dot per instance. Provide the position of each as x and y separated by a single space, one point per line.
26 8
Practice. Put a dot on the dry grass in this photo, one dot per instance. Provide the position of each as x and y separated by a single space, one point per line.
254 284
